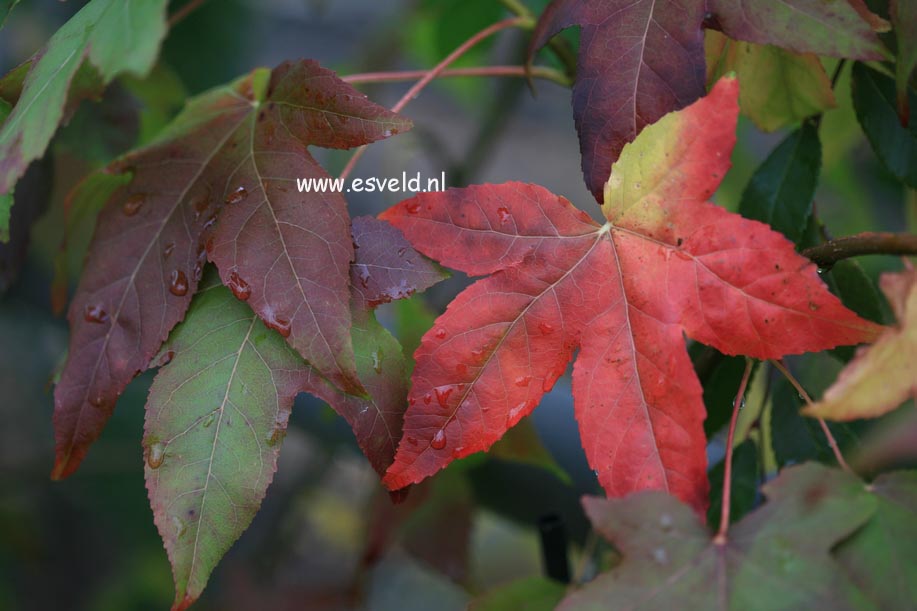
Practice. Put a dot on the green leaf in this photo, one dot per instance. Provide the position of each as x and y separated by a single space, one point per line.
527 594
858 292
781 191
881 557
113 36
874 101
215 418
797 438
745 476
720 388
775 558
6 199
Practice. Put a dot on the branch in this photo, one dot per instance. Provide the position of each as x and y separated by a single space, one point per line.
868 243
720 538
549 74
415 90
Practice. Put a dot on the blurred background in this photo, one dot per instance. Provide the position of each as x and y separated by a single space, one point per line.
327 536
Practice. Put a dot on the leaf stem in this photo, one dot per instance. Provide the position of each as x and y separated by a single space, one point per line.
867 243
179 15
542 72
415 90
720 538
558 46
824 425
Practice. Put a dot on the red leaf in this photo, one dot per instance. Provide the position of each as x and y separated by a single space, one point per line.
287 253
666 263
639 60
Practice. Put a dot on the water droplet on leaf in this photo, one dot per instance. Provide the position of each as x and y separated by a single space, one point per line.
95 313
545 328
133 204
522 381
156 455
505 215
239 287
439 440
237 196
178 283
442 394
279 324
440 334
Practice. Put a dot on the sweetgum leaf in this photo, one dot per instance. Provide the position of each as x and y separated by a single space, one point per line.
775 558
112 36
234 152
874 102
881 557
781 191
777 87
640 60
667 263
218 411
882 376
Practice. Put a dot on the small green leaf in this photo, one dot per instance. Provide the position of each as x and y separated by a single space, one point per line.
6 6
874 101
114 36
881 557
781 191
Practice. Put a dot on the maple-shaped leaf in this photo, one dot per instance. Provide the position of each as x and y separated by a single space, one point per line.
666 263
775 558
111 36
639 60
777 87
218 408
883 376
235 152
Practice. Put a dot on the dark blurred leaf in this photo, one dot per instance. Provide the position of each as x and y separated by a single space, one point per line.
720 388
874 101
775 558
522 444
160 94
458 20
402 584
745 476
858 292
881 557
796 438
29 202
780 192
904 20
528 594
5 7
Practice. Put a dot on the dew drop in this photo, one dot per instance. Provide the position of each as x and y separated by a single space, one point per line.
412 207
515 414
179 527
545 328
178 283
97 401
666 522
427 399
412 441
387 133
505 215
133 204
440 334
660 556
522 381
377 361
363 274
279 324
95 313
209 420
442 395
239 287
167 251
166 358
156 455
411 400
237 196
439 440
458 452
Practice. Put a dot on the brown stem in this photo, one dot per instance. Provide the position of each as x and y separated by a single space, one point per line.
824 425
415 90
542 72
720 538
179 15
867 243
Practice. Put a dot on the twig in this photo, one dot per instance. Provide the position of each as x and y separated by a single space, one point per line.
543 72
432 74
720 538
867 243
179 15
824 425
